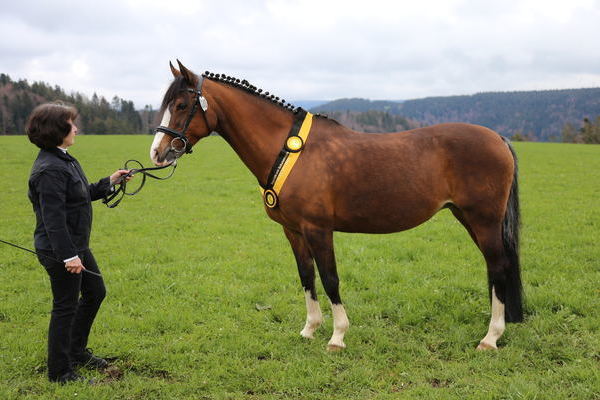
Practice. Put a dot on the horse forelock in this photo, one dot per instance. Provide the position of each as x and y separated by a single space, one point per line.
177 86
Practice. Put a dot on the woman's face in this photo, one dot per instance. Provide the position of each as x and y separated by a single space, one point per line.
70 138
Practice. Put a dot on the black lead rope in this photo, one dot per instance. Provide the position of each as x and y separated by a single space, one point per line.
121 190
45 256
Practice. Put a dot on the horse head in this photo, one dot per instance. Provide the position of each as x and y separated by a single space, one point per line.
184 117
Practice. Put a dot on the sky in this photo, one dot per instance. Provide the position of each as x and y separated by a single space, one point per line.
305 49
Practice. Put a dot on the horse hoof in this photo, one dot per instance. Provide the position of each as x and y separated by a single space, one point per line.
307 335
486 346
335 347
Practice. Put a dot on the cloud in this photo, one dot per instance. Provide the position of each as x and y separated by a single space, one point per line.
305 49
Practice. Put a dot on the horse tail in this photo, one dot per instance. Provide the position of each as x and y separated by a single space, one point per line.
510 238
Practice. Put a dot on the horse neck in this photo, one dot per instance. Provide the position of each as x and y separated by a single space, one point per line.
254 128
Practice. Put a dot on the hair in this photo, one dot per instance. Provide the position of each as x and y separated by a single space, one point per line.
48 124
253 90
179 84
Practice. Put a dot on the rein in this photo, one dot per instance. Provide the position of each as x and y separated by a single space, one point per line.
121 191
45 256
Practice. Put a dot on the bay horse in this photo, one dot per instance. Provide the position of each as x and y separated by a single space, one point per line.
318 177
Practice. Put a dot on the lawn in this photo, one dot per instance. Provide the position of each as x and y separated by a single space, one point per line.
204 301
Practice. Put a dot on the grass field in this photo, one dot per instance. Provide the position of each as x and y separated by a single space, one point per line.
204 301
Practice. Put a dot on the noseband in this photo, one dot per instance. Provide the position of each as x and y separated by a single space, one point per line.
200 100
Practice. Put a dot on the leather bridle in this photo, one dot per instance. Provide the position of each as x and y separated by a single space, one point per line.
199 101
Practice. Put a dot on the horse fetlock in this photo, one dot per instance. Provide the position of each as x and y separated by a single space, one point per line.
497 329
311 326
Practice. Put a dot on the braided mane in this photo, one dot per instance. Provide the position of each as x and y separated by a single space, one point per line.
248 87
179 84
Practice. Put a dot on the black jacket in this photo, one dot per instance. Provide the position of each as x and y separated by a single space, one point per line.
61 198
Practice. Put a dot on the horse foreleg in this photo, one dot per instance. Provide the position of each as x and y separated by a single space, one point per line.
306 270
320 243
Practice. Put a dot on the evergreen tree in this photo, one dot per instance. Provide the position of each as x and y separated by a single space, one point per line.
95 116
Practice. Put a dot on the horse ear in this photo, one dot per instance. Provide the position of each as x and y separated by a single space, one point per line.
174 71
187 74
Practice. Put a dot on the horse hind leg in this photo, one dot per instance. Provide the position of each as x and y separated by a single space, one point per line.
306 270
503 281
321 247
498 242
458 214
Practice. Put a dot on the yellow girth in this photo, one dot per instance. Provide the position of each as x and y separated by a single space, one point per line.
294 146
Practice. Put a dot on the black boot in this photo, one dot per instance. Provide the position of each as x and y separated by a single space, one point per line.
88 360
73 377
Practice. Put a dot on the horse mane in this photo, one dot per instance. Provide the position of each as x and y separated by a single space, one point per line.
249 88
179 84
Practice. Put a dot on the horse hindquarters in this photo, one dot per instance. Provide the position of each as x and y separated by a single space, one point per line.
498 239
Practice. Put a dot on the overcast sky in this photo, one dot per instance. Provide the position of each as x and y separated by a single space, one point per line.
305 49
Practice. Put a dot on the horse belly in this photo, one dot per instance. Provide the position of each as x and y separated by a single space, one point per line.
386 212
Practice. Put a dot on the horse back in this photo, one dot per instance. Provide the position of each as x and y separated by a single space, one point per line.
381 183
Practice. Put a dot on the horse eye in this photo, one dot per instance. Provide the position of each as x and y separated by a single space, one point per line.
181 106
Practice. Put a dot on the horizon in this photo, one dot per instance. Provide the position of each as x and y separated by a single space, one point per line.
317 102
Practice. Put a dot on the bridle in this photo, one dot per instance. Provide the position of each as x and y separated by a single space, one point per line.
179 136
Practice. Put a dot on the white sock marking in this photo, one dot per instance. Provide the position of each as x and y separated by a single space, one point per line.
497 323
314 317
340 326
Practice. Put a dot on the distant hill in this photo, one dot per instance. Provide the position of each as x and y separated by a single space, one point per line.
357 104
536 114
308 104
373 121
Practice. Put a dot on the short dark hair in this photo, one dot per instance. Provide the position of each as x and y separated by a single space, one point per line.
48 124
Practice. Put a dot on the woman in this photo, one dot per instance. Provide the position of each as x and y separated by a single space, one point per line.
61 198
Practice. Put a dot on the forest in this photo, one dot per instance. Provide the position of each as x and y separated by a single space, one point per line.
570 115
96 114
528 115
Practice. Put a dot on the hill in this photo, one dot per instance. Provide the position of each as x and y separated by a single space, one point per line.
539 115
96 115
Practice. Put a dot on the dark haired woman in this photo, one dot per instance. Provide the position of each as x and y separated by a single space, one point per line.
61 198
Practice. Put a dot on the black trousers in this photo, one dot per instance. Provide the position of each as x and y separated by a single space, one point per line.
76 300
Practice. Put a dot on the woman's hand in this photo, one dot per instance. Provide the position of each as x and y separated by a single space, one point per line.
74 266
117 176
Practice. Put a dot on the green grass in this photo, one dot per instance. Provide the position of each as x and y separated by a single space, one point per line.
187 260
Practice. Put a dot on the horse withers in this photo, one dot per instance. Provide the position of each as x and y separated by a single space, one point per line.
318 177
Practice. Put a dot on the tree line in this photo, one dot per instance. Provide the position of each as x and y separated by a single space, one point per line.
589 133
528 115
96 114
373 121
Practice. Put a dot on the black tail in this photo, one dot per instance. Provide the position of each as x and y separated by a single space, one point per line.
513 299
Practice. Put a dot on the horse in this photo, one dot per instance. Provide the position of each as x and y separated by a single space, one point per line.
318 177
